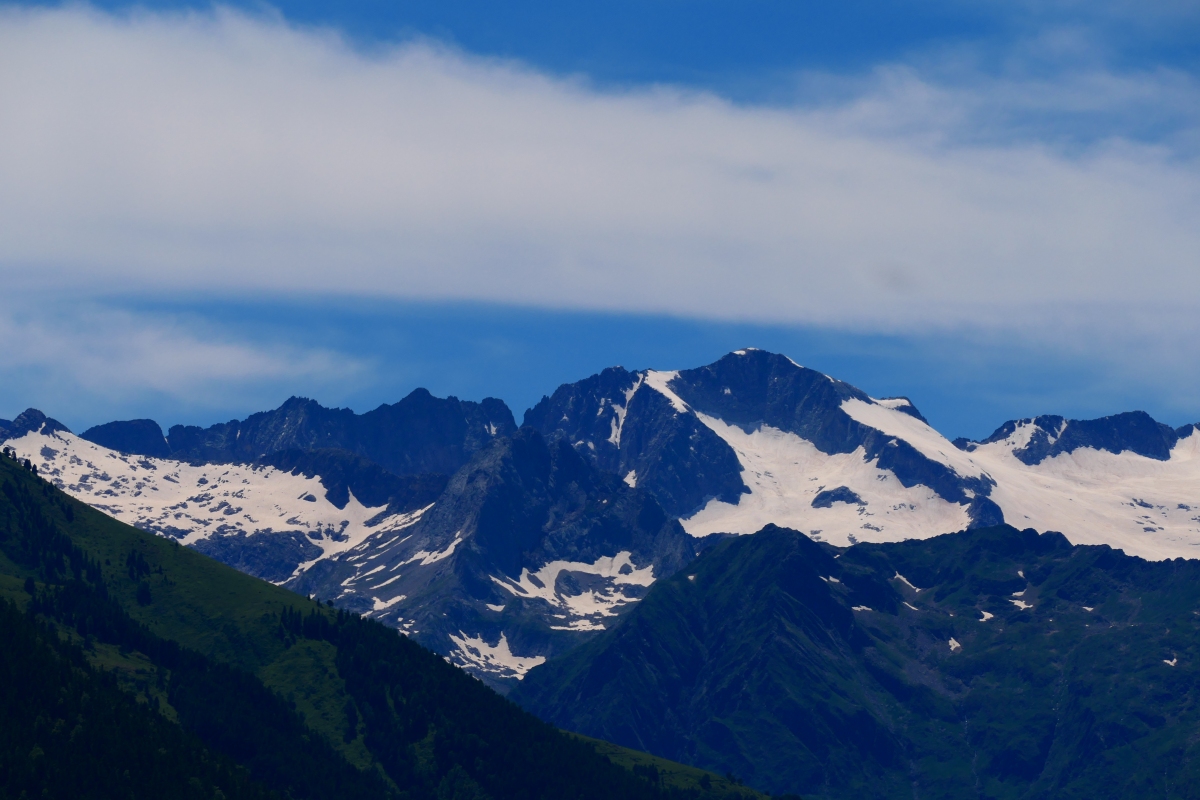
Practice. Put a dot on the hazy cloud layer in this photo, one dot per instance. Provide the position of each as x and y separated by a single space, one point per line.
86 362
222 152
213 155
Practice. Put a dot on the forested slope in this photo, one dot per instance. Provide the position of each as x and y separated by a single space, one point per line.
272 692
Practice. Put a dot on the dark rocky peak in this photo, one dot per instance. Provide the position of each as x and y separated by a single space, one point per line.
1132 431
423 433
752 387
420 434
904 406
31 421
141 437
748 387
298 423
530 500
623 426
589 413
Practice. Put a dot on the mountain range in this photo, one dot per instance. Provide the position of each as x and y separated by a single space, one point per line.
134 667
502 547
749 567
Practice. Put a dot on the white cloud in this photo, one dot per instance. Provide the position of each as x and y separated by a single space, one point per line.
220 152
89 354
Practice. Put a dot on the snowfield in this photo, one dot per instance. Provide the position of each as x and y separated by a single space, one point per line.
1147 508
193 503
785 474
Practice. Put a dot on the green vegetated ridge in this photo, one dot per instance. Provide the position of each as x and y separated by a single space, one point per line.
990 663
153 667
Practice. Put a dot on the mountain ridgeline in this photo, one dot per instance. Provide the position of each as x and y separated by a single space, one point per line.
140 668
500 548
665 443
419 434
1134 432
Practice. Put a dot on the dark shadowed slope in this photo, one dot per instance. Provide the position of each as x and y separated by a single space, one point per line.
529 550
311 702
993 663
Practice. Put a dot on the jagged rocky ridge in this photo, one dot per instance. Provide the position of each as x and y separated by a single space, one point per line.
524 551
306 496
754 439
529 547
688 436
419 434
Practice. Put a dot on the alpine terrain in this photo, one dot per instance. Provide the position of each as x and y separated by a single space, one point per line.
501 548
996 662
134 667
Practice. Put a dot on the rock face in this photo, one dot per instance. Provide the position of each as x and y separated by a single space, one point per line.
529 550
625 427
419 434
1048 436
993 662
135 436
731 446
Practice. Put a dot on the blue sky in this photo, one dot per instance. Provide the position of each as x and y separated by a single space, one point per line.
993 208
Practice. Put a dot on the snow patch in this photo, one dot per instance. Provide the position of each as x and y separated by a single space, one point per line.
382 605
658 382
1086 494
190 503
426 558
497 659
631 478
618 420
986 616
908 428
592 604
954 645
1021 604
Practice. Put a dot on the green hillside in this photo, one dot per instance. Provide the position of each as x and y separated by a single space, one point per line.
281 693
1023 667
70 731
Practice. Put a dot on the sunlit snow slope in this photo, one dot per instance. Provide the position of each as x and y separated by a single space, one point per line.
207 502
786 474
809 452
1144 506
